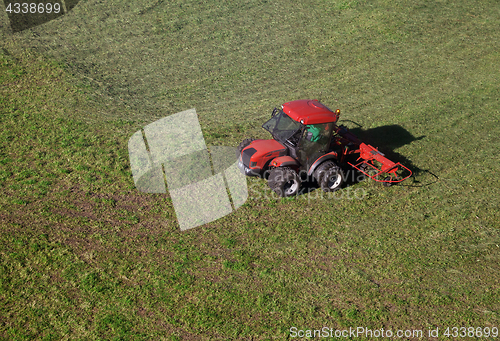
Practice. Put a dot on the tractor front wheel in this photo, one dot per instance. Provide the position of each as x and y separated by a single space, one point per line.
242 146
284 181
329 176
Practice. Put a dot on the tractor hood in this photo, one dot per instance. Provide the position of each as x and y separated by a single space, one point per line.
257 154
264 147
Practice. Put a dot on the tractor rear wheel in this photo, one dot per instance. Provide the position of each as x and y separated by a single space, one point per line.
284 181
242 146
329 176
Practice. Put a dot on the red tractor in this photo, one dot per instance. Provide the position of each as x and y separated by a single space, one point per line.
308 142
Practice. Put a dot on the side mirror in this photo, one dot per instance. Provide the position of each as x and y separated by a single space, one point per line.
275 110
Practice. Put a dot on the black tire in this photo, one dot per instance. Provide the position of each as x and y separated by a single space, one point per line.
362 176
387 184
284 181
329 176
242 146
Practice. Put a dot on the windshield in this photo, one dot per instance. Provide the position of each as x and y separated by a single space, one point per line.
281 126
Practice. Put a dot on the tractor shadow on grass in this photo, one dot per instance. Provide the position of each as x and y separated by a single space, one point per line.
387 139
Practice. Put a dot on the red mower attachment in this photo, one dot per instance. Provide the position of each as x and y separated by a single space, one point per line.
374 164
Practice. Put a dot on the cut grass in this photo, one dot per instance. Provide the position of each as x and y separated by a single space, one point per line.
84 255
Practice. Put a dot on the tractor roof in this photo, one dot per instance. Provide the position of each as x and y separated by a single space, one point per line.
309 111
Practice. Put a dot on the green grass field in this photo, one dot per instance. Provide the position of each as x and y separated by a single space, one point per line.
84 255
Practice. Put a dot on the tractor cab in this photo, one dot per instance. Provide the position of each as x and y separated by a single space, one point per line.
301 132
304 128
315 142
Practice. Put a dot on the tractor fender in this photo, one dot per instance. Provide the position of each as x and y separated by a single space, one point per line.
284 161
320 160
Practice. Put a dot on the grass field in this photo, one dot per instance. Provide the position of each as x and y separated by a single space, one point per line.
84 255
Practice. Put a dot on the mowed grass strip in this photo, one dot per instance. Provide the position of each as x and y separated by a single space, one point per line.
86 256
